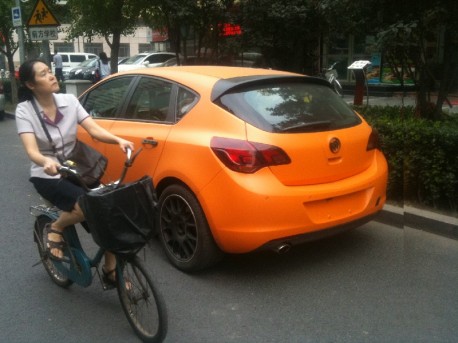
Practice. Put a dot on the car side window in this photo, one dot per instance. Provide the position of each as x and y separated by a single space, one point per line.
150 100
77 58
159 58
186 100
105 100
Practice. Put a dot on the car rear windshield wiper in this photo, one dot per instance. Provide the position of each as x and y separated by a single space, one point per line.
316 125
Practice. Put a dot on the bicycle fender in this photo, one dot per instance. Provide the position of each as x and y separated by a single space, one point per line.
79 272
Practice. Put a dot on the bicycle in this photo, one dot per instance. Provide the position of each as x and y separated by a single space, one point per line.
141 302
330 74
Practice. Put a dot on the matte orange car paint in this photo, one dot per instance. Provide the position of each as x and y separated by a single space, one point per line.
245 211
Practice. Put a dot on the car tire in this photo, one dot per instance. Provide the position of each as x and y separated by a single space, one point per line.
184 231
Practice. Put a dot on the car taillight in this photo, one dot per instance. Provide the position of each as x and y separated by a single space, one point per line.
247 157
374 141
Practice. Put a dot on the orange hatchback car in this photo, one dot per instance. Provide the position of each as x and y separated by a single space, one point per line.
242 159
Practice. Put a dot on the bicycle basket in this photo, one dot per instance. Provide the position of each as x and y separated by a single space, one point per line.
121 220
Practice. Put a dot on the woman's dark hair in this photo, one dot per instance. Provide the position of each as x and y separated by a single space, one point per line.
103 57
26 74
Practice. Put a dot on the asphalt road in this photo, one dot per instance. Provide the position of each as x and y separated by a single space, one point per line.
374 284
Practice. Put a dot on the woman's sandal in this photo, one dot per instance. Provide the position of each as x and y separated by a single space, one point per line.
109 279
50 245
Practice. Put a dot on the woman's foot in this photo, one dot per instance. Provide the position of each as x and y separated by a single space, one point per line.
109 278
54 243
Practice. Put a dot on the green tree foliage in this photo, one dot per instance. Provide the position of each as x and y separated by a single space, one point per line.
183 20
7 45
403 28
403 40
287 32
109 19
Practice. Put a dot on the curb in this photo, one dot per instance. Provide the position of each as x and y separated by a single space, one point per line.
415 218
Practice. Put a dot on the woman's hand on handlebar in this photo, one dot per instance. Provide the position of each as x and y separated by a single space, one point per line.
125 144
51 167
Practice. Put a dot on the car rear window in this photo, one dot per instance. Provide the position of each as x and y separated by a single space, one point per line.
290 107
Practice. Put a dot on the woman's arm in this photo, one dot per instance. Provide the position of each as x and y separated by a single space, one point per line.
98 132
30 144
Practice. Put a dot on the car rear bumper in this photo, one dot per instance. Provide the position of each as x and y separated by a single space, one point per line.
246 212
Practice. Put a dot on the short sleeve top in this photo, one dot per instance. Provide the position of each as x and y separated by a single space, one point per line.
62 130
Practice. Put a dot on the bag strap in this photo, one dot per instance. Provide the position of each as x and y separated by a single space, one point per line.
43 125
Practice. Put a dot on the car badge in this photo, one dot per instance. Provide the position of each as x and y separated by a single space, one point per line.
334 145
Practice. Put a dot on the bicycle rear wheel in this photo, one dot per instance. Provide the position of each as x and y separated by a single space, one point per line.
142 304
57 277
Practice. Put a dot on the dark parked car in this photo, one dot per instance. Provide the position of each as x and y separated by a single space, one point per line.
85 71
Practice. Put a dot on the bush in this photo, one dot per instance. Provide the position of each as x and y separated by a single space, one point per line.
421 154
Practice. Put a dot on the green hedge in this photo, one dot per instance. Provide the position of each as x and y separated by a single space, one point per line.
422 156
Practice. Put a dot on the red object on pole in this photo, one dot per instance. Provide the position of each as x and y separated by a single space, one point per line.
359 89
358 68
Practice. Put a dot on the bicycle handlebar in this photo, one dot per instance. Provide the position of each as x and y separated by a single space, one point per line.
68 169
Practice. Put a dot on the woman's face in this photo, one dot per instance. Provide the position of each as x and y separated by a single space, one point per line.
45 82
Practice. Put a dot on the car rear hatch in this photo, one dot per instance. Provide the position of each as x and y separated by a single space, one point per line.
323 138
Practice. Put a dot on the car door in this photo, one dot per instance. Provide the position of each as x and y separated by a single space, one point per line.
104 103
147 121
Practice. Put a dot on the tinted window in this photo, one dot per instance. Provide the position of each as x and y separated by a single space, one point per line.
150 100
290 107
186 100
134 59
105 100
64 58
77 58
159 58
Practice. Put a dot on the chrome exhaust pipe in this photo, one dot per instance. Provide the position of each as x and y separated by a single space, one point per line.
283 248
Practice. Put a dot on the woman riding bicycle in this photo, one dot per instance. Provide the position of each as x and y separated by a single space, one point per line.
61 113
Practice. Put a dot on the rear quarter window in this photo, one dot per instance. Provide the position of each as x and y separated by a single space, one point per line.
289 107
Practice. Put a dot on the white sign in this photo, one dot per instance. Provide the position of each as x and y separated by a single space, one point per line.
16 14
43 33
359 65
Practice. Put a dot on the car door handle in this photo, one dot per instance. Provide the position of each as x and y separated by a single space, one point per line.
150 141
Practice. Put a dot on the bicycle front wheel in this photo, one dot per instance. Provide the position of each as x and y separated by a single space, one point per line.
142 304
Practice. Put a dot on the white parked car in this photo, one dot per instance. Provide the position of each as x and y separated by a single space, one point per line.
146 60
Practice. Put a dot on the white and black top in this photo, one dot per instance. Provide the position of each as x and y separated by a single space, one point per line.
62 130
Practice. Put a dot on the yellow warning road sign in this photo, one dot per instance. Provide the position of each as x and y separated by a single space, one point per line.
42 16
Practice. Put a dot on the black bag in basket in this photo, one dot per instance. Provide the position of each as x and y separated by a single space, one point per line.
121 220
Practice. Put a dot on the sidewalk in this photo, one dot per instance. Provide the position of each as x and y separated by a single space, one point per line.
421 219
407 216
